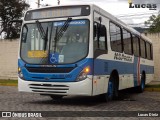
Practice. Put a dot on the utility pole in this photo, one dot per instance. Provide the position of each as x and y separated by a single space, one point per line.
38 5
58 2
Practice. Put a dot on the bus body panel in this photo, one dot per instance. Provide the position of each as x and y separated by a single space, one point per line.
46 73
130 71
57 88
128 75
105 64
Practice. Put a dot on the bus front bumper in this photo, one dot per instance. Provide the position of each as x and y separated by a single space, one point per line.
83 88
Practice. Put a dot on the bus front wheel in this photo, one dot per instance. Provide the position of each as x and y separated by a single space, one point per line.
112 92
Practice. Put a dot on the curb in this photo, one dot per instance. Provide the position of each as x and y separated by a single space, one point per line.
8 82
152 89
1 84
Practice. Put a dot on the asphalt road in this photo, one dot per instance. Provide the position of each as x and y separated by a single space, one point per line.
12 100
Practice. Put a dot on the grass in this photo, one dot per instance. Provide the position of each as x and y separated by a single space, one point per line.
8 82
153 86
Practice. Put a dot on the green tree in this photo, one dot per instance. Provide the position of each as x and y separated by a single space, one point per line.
153 23
11 10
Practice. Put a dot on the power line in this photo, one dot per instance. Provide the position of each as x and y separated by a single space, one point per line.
137 14
136 24
136 17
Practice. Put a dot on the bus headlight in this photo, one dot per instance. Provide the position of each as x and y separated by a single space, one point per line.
20 73
83 74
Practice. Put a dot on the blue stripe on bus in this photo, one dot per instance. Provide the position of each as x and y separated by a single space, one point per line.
135 69
56 77
105 67
101 67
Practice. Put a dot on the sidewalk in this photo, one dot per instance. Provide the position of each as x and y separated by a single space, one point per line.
153 86
154 83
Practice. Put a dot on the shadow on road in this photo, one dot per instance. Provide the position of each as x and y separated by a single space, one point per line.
124 95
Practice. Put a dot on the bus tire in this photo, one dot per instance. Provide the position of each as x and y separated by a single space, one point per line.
112 92
108 96
56 97
141 88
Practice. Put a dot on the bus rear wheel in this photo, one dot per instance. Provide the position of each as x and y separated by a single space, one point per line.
56 97
110 92
141 88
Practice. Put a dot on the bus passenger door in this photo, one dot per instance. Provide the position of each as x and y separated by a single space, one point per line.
136 51
100 51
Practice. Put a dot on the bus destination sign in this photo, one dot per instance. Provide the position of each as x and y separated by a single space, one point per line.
55 12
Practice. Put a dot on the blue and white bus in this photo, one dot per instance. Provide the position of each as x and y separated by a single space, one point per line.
81 50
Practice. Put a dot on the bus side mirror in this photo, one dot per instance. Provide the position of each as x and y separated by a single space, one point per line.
24 33
102 31
24 37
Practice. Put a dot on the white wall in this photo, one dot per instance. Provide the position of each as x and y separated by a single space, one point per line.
8 59
9 53
155 37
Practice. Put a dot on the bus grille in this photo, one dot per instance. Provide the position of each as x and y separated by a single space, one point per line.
50 69
48 88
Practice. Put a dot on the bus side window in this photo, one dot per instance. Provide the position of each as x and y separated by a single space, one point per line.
127 43
115 37
151 52
148 48
143 48
100 31
95 36
136 47
102 38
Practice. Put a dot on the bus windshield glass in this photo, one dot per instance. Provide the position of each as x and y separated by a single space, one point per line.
58 42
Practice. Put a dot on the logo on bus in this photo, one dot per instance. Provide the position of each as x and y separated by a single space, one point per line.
138 5
122 57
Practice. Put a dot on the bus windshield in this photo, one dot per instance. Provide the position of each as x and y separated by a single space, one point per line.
65 42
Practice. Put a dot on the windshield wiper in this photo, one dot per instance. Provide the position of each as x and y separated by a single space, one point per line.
60 33
43 35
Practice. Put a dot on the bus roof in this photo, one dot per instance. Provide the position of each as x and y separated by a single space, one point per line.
106 14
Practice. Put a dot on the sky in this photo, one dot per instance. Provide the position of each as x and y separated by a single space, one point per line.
119 8
134 17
